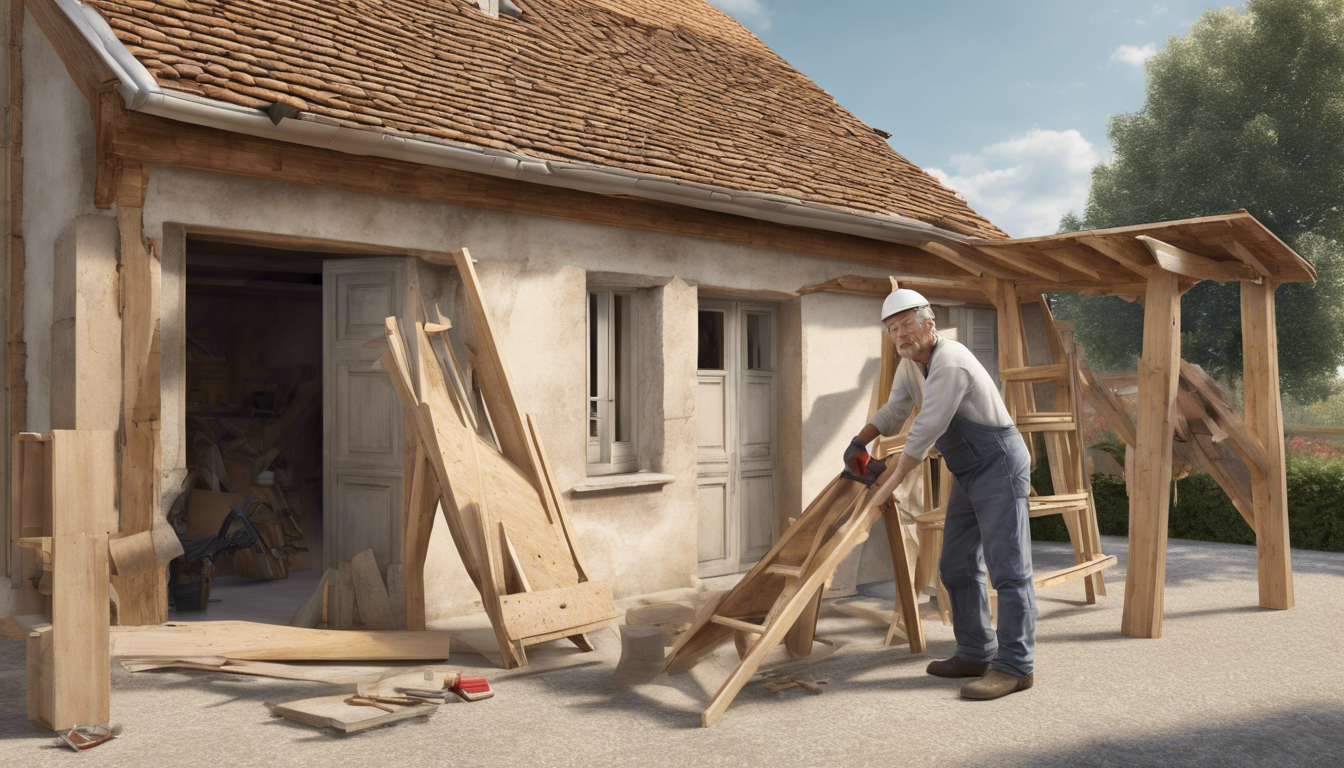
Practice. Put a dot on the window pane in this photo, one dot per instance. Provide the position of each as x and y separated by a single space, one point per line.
711 340
758 342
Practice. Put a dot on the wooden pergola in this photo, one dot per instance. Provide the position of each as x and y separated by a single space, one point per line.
1153 264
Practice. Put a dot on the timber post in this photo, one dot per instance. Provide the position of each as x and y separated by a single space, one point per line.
144 598
1150 499
1264 420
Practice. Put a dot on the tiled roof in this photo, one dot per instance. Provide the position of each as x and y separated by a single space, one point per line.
673 88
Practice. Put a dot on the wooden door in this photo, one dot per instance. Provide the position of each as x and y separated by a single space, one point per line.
362 417
736 481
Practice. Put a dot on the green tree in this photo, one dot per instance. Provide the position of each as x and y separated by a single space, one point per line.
1245 111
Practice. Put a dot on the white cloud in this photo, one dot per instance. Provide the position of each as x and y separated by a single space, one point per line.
1133 54
1027 183
746 11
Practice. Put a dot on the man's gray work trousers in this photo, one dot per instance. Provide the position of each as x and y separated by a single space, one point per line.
987 524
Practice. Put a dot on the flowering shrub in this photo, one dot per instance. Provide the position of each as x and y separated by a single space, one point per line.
1320 448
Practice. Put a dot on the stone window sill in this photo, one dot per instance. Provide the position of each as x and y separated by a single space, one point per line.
629 480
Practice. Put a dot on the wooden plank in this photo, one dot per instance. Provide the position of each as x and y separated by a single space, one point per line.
343 614
907 598
144 598
310 613
1183 262
148 140
552 493
370 594
81 679
272 642
1079 571
333 712
1036 373
1150 499
496 387
1264 421
975 267
537 613
83 482
738 624
423 498
39 673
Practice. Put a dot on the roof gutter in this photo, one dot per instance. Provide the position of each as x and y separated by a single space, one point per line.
141 93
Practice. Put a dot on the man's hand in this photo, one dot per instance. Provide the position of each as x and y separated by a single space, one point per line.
856 457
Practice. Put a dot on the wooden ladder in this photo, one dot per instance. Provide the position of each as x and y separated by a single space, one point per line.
1062 431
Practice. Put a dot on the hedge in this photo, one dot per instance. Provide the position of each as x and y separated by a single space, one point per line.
1203 512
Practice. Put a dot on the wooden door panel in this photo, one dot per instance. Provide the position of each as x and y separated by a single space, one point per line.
364 435
758 514
713 541
368 516
711 416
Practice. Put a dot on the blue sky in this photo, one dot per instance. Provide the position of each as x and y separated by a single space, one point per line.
1006 102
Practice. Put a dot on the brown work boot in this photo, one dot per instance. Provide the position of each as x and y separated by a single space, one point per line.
955 667
994 685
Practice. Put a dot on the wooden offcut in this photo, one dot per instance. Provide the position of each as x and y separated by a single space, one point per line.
270 642
334 712
375 610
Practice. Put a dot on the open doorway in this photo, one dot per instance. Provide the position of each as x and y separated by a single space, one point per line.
253 428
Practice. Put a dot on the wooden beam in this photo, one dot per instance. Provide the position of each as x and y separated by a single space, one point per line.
1252 451
144 597
1120 256
1183 262
16 356
1073 261
147 140
1020 262
1234 247
1264 419
968 260
80 680
1150 498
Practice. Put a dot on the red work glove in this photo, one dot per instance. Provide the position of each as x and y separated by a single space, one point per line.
857 458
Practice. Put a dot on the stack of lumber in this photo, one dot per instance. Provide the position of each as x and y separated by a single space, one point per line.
499 498
353 595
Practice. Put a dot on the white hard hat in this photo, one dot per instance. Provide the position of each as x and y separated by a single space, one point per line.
900 300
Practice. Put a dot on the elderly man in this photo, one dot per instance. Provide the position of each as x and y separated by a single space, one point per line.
963 415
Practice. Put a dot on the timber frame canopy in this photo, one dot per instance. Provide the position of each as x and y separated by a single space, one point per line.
1155 263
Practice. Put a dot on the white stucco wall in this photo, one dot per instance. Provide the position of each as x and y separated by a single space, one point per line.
58 178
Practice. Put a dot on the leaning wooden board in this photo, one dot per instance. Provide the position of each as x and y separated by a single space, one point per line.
333 712
269 642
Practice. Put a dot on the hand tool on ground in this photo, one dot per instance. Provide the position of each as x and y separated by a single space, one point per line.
860 466
472 688
430 696
385 703
83 737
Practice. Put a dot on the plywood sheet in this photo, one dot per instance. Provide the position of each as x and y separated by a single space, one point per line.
333 712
